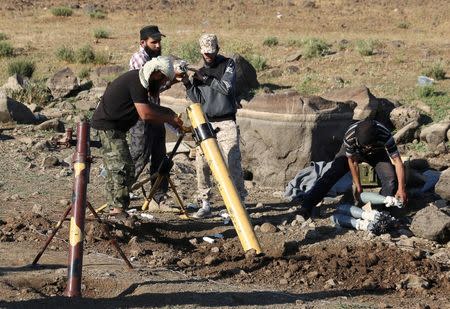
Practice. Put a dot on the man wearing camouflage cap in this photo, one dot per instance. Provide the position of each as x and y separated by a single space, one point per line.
213 86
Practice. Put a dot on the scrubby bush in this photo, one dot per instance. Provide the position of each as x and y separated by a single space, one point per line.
403 25
102 58
21 67
34 92
436 71
65 53
426 91
101 34
189 51
84 73
343 45
85 54
97 14
6 49
258 62
306 87
271 41
62 11
366 47
314 47
294 43
245 49
3 36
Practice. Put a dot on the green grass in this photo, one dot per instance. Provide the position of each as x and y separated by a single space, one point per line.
21 67
440 105
84 73
62 11
343 45
3 36
294 43
97 14
65 53
307 87
270 41
189 51
426 91
6 49
419 147
314 47
245 49
102 58
101 34
403 25
258 62
366 47
436 71
85 54
34 92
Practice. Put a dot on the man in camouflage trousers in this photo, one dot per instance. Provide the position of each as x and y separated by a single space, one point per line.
127 99
213 86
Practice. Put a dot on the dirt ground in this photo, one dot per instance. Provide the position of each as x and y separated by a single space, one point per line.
307 264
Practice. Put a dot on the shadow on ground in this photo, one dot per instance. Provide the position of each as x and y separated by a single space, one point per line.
204 299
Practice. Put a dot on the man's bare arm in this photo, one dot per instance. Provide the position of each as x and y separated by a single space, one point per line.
158 114
354 170
400 172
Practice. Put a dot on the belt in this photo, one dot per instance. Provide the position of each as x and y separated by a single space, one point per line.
222 118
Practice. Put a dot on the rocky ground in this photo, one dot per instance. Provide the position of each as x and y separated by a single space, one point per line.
309 264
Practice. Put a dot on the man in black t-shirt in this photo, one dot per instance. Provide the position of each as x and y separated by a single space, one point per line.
125 100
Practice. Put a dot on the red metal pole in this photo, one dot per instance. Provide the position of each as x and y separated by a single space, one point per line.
81 166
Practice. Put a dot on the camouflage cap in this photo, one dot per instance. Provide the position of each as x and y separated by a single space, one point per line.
208 44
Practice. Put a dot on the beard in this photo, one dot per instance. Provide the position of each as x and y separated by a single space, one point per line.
152 53
153 87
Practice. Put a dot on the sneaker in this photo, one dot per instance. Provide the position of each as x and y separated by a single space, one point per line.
203 212
134 196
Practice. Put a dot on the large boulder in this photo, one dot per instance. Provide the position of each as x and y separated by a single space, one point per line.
103 75
367 105
407 133
436 133
282 133
431 223
443 185
246 78
11 110
14 82
63 83
403 115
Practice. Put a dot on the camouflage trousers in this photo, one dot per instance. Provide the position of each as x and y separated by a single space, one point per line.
148 144
119 167
228 140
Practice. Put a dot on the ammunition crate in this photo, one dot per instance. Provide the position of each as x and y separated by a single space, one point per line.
367 175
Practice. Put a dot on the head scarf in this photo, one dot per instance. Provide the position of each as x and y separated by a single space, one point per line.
160 63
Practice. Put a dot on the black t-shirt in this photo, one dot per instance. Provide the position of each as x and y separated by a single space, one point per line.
116 110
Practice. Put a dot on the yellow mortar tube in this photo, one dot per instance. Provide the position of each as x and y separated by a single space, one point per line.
233 203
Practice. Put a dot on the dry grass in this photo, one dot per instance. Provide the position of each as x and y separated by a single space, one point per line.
242 26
